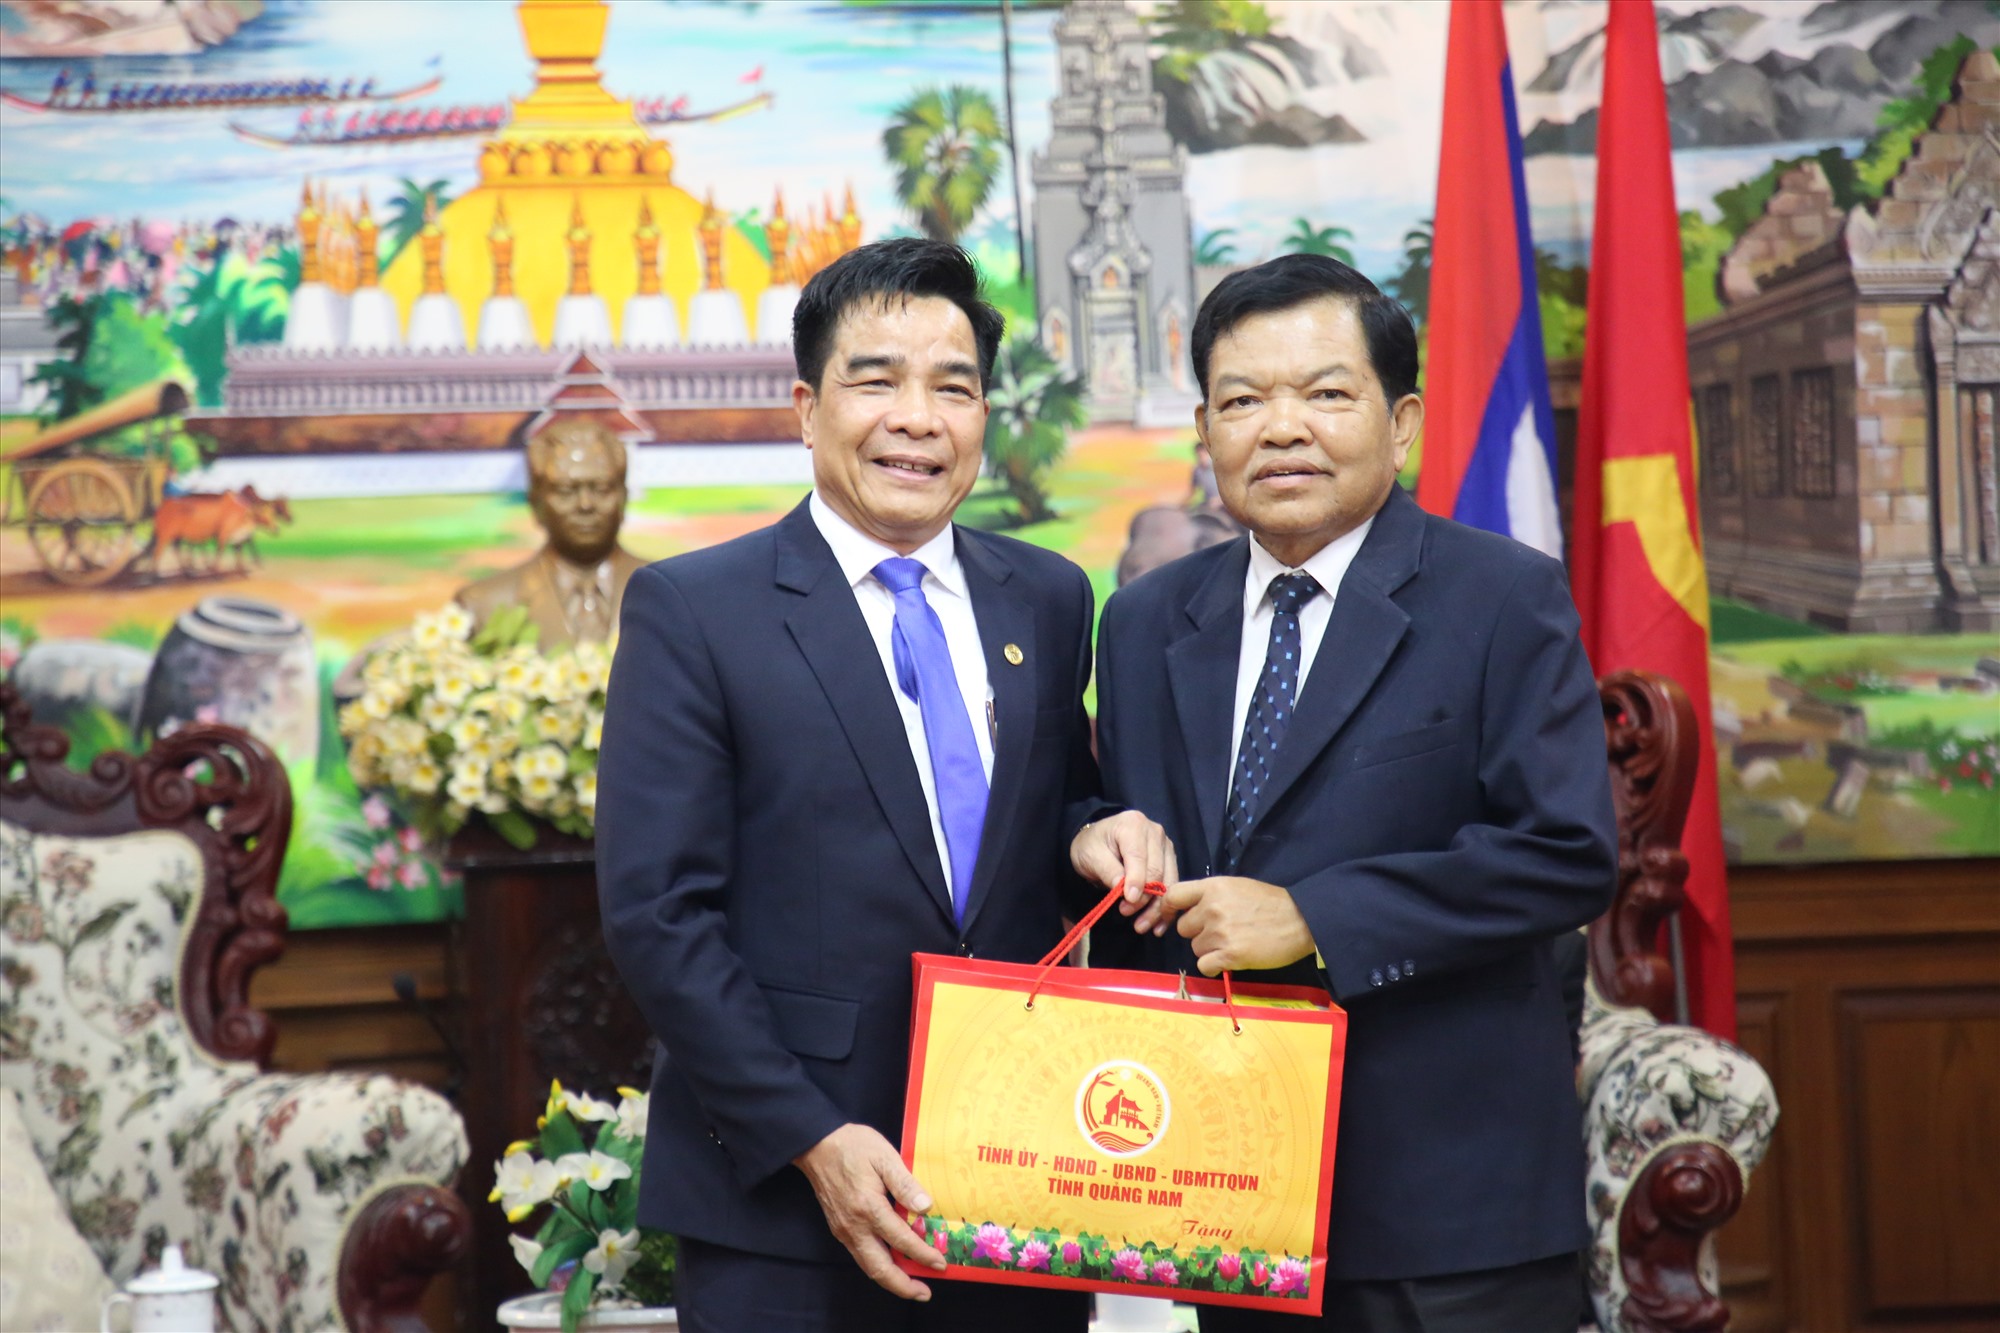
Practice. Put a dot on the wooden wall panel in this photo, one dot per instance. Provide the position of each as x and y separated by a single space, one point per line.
1871 994
1926 1121
1753 1261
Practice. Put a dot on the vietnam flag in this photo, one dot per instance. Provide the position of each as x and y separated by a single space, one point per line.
1489 431
1635 543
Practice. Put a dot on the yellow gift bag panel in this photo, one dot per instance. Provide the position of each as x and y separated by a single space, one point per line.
1128 1130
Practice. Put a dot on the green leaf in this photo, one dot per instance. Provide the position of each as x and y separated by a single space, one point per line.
560 1136
554 1256
515 827
100 924
577 1299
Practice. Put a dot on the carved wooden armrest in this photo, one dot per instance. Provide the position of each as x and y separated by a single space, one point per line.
404 1236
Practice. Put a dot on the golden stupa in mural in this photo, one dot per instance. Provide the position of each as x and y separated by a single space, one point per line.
575 214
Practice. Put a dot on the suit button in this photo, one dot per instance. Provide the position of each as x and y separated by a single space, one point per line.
965 949
1409 967
1375 977
1395 973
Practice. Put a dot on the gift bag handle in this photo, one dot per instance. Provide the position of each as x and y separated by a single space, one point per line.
1153 889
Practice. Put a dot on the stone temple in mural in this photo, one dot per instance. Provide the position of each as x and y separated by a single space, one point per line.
576 277
1114 277
1847 399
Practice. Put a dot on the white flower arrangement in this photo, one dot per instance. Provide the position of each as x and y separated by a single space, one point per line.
589 1247
454 723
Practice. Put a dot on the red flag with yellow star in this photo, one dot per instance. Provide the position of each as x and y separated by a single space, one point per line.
1635 564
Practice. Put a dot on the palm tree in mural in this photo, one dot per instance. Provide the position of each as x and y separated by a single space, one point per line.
228 302
1034 408
945 146
1413 285
1215 248
406 214
1306 239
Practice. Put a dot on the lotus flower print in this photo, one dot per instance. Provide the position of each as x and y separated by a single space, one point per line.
993 1242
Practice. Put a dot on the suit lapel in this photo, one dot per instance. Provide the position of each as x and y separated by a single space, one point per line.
1004 618
828 627
1361 636
1201 669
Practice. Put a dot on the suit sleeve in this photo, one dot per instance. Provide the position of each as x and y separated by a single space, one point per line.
665 853
1083 791
1544 858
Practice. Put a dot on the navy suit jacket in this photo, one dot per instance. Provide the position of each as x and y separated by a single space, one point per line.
766 865
1440 810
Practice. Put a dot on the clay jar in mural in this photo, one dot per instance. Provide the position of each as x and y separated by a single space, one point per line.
243 662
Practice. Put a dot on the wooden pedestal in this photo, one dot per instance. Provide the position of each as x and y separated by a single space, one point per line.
538 1000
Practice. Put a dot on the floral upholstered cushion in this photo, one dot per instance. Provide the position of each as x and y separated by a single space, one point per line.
1647 1086
146 1138
50 1282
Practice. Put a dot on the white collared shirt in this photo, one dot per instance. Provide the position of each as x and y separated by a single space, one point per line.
944 588
1328 566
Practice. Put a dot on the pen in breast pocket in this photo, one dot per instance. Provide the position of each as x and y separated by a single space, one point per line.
992 726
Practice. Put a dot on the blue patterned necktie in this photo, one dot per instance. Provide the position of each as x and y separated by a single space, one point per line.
924 671
1270 712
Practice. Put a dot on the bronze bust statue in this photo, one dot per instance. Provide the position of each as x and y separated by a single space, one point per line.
573 586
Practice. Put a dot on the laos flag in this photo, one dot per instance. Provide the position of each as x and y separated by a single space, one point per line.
1489 433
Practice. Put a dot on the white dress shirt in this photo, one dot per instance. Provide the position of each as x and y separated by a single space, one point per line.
1328 567
944 588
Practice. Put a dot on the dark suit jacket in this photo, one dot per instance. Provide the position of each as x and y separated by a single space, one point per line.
1439 810
765 858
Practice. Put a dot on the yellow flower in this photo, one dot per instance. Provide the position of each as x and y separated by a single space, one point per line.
454 685
428 632
456 622
586 792
436 713
468 731
424 777
538 789
593 730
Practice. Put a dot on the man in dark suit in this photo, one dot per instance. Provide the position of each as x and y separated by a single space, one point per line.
853 736
1412 836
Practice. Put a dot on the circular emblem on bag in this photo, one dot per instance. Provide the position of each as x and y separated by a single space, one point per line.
1122 1108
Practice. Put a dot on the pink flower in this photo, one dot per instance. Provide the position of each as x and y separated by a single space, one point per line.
1165 1272
993 1242
1290 1276
1128 1265
411 875
376 811
1227 1266
1072 1253
1034 1254
385 853
411 840
1259 1274
378 878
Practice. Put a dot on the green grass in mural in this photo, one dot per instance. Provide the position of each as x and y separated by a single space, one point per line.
699 501
1886 653
1733 622
135 634
433 530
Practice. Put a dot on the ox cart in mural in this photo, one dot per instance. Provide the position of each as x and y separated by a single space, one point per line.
95 496
86 505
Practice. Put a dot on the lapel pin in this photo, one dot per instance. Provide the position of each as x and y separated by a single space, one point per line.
1012 652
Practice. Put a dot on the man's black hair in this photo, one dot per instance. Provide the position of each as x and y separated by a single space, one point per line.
889 270
1292 280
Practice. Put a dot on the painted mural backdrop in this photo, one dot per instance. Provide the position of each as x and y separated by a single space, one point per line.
283 279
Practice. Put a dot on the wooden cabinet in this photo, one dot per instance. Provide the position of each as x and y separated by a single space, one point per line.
1871 994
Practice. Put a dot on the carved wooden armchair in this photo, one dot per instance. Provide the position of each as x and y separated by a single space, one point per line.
135 902
1675 1119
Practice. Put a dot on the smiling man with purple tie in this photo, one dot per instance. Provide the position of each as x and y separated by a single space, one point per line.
850 737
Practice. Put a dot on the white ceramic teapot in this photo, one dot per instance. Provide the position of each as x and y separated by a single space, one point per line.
172 1298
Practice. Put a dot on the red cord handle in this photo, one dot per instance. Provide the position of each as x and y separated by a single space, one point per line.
1050 960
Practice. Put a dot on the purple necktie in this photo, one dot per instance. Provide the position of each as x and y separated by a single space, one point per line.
924 670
